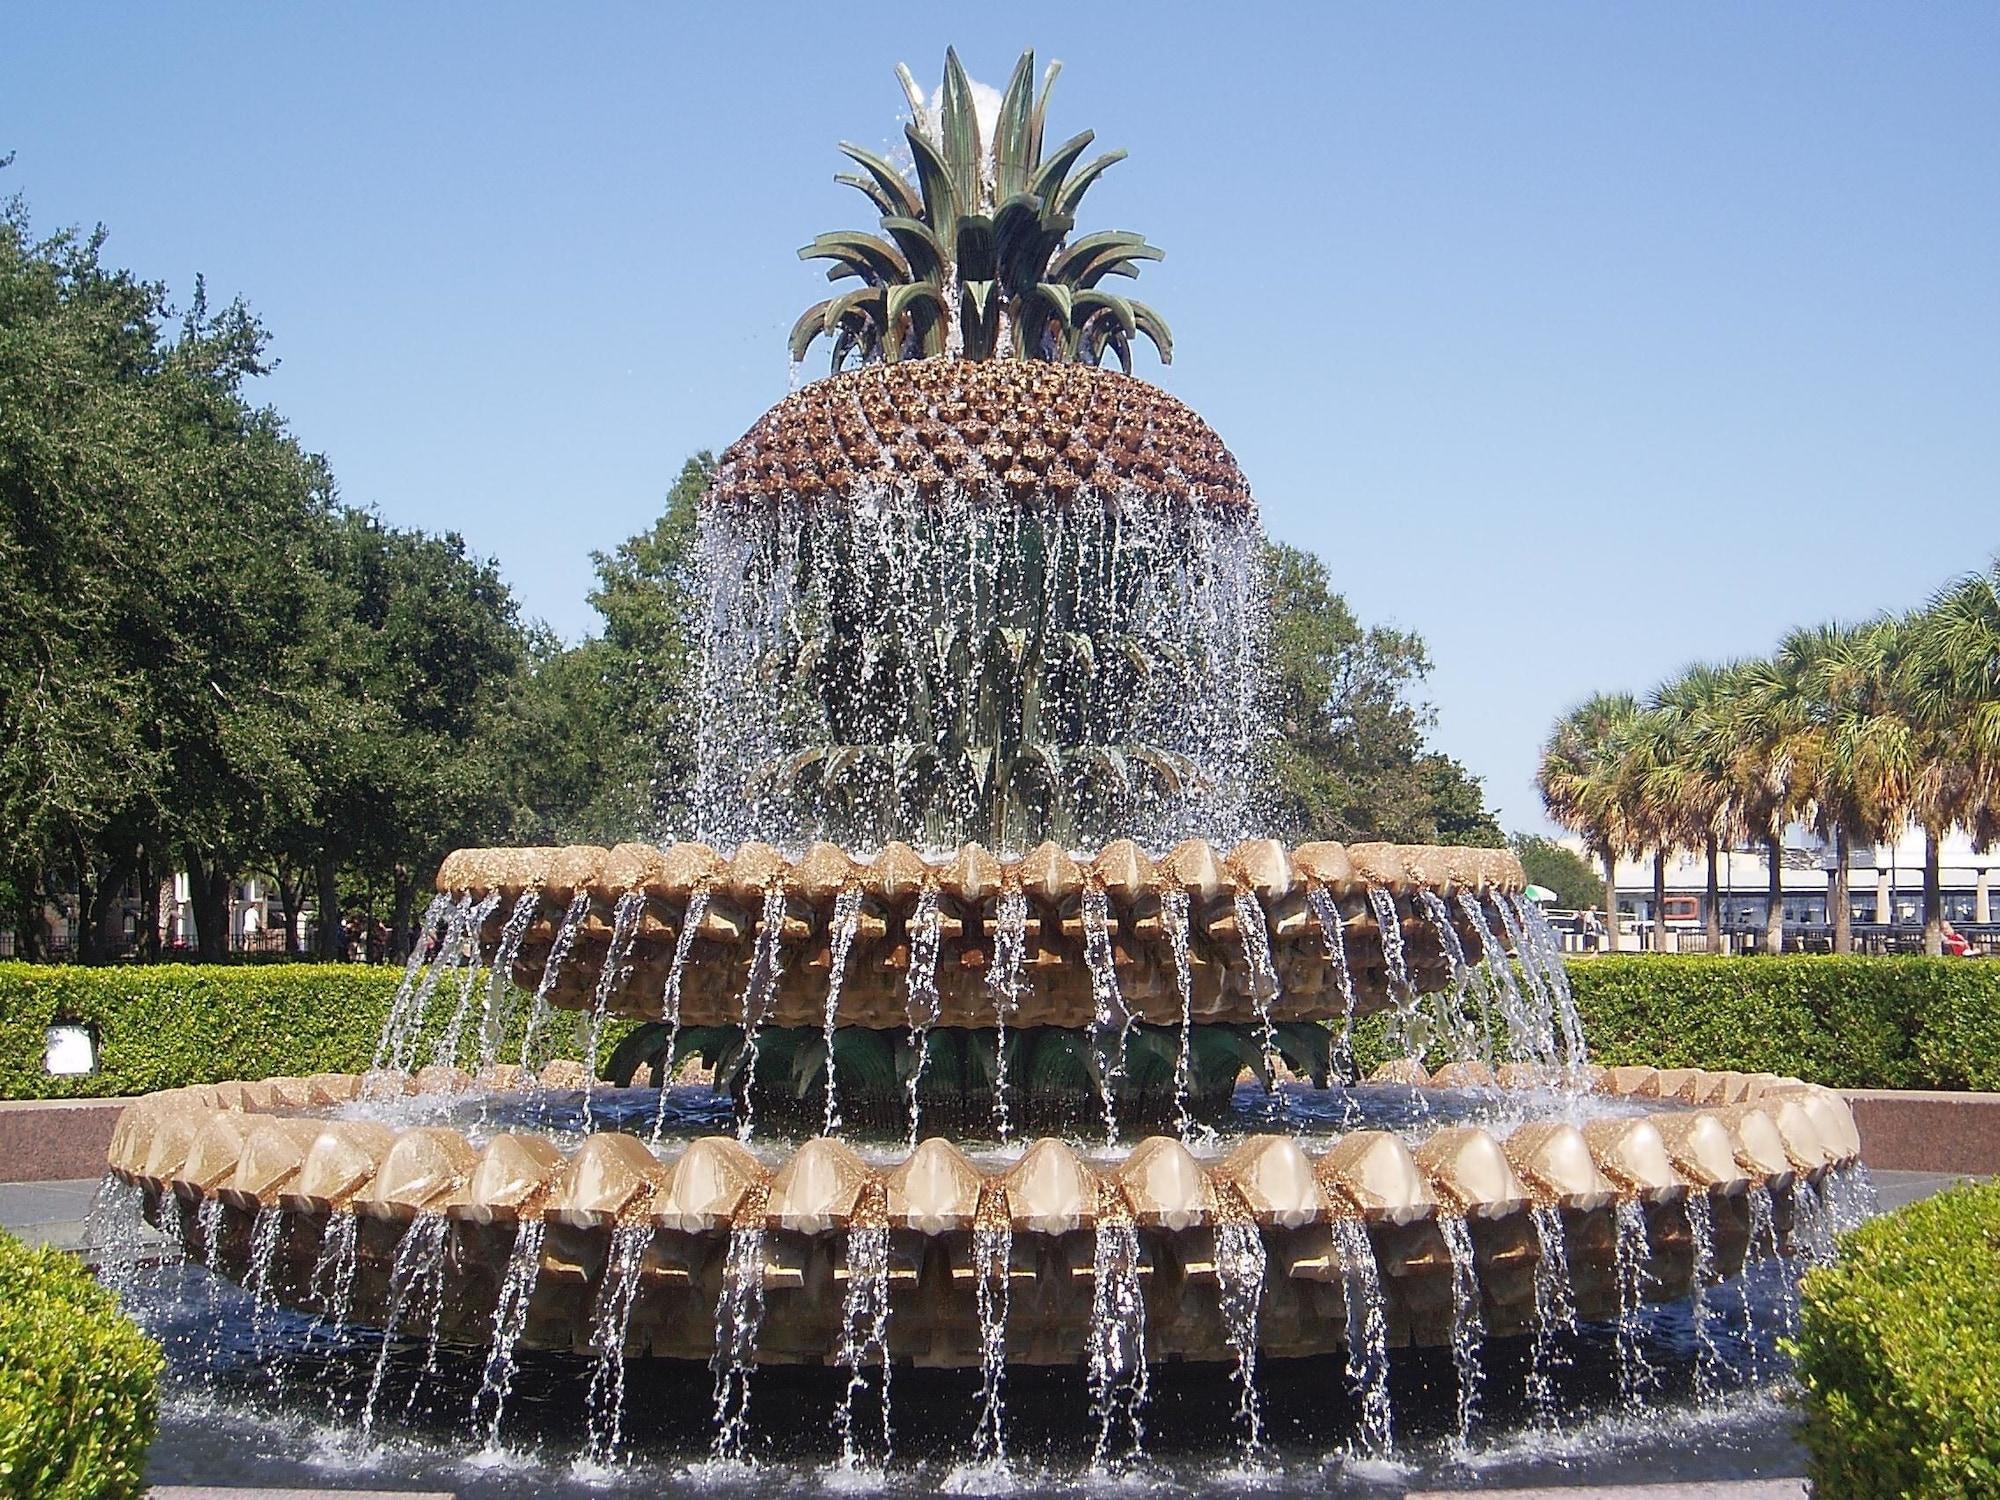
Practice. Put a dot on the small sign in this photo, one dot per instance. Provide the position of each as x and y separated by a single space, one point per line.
70 1051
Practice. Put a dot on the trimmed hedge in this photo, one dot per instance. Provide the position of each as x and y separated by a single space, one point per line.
166 1025
1898 1353
1847 1022
1859 1022
79 1398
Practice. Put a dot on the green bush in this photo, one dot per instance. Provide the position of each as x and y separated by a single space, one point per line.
1898 1353
1861 1022
172 1024
78 1383
1848 1022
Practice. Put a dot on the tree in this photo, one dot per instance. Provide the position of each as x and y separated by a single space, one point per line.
1350 762
1583 785
1557 868
1693 782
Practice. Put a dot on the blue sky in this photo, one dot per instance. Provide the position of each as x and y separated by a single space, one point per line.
1586 340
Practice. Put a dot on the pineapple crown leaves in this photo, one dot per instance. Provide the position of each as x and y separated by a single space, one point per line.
974 258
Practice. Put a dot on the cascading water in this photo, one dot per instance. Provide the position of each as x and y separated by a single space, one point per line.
1525 1039
1555 1309
1107 1007
1117 1348
1543 940
1468 1324
1003 987
510 1320
1764 1248
442 905
1701 1236
1632 1249
670 998
739 1315
1240 1261
332 1284
445 1054
992 1257
864 1334
559 950
1409 1032
610 1322
610 980
416 1285
1812 1226
1466 1038
1059 696
921 1001
1367 1334
500 979
846 918
1174 918
766 967
1261 975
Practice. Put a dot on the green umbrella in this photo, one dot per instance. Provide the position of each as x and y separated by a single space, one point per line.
1539 893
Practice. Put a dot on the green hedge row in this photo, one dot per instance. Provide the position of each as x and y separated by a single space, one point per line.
1847 1022
1862 1022
1898 1353
78 1383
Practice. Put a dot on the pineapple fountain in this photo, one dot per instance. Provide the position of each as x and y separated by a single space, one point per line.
975 942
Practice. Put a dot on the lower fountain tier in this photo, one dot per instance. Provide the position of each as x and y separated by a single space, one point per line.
224 1155
933 1281
1245 932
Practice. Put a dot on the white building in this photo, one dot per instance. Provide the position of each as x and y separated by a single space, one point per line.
1885 887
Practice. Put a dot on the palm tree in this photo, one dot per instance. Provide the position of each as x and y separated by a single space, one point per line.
1582 780
1693 781
974 259
1651 751
1948 674
1748 734
1844 735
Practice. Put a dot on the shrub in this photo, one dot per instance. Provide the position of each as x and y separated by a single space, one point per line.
1857 1022
78 1383
1898 1353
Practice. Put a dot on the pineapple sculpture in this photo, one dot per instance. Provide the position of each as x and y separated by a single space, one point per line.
973 586
976 261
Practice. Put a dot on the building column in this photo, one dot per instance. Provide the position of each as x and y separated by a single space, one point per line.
1982 895
1885 906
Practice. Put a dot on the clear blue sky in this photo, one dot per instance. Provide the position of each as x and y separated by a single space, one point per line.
1586 340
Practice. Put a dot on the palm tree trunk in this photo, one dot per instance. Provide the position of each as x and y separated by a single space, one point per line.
1774 895
1712 921
1843 916
1610 903
1659 901
1933 896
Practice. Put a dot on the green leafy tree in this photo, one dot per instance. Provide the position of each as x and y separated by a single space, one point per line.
1350 761
1560 869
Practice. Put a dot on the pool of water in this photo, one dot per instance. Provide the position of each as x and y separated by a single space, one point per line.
270 1399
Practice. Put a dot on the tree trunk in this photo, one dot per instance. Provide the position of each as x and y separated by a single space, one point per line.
331 939
99 936
289 892
1933 896
1774 895
1843 913
149 909
1610 903
1712 920
402 924
208 888
1659 900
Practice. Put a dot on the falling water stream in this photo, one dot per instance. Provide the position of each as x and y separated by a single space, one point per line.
864 1335
510 1321
739 1315
1116 1353
1239 1273
610 980
1636 1375
921 999
1003 988
670 998
500 979
992 1258
1555 1309
846 919
766 967
559 949
1367 1335
1468 1327
610 1322
1261 976
1107 1006
1174 918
